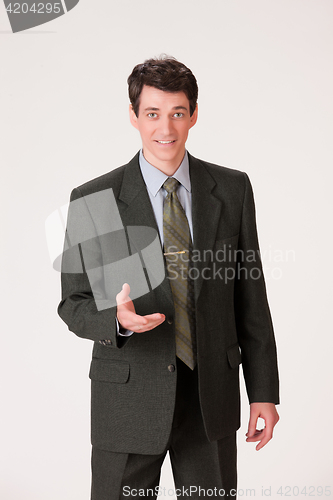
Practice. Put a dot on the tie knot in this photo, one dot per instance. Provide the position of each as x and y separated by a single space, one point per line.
171 185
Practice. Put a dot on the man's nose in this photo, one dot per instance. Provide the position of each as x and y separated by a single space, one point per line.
166 127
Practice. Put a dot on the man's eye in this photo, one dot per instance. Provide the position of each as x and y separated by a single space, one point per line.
152 115
178 115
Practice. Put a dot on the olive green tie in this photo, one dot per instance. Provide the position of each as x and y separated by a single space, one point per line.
178 249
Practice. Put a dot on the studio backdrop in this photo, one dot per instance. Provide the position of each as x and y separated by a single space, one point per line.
265 77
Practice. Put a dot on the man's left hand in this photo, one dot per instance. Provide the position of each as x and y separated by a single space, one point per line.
266 411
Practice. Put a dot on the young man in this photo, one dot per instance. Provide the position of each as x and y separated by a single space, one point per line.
165 367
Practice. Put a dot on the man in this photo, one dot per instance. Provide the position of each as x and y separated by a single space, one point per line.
165 367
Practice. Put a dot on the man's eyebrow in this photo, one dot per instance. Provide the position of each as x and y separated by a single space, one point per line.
157 109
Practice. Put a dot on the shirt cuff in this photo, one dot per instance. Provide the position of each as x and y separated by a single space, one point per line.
122 332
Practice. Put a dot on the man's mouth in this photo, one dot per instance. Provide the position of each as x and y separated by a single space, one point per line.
165 142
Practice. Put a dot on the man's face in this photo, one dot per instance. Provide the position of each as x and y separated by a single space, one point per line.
163 122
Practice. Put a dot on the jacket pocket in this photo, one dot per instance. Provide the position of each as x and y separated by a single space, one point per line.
109 370
234 355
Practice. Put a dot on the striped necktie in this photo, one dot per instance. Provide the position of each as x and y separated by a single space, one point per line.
177 238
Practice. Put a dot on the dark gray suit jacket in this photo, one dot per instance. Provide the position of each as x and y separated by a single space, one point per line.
133 389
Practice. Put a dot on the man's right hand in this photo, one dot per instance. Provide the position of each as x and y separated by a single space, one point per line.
128 318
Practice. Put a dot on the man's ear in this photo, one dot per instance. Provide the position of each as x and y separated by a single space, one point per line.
133 117
194 117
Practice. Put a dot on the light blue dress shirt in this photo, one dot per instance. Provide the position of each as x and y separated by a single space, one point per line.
154 180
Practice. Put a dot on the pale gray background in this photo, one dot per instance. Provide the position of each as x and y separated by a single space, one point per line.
265 106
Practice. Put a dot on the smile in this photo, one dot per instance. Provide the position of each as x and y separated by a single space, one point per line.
165 142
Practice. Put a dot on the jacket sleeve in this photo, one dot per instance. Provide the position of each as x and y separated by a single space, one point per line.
253 319
78 307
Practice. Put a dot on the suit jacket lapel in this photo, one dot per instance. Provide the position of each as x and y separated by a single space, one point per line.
206 211
138 210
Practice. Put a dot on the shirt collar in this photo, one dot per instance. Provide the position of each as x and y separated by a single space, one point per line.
155 179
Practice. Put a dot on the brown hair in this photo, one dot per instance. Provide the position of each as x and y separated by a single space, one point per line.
164 73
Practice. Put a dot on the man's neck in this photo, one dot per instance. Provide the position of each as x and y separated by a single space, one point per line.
168 167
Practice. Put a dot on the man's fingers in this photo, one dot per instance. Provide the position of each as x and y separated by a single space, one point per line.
153 321
155 317
262 435
252 424
263 442
133 321
123 296
140 324
256 436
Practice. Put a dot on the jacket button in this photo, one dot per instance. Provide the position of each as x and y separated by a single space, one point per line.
171 368
170 320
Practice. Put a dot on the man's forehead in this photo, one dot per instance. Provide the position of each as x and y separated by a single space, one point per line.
154 99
